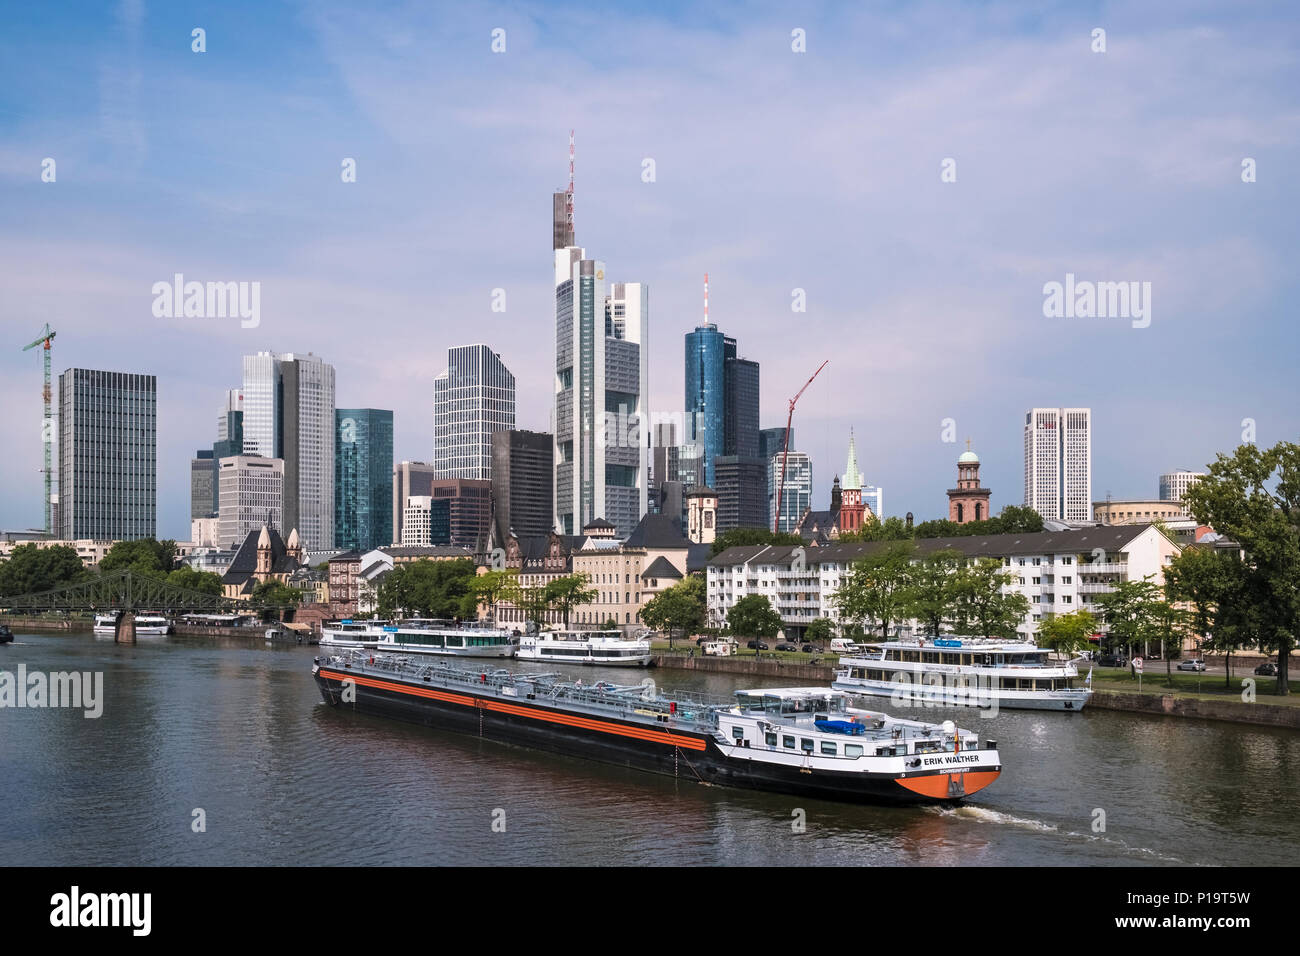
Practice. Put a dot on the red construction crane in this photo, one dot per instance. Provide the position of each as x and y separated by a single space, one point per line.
785 452
47 431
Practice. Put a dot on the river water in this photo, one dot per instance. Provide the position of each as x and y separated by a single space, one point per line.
233 735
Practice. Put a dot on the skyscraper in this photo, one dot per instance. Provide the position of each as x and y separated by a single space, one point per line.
289 414
1174 484
251 494
363 490
796 493
472 399
1058 463
740 425
706 394
523 470
410 479
741 502
107 455
203 490
601 377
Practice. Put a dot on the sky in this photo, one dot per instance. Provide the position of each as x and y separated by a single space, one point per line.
775 170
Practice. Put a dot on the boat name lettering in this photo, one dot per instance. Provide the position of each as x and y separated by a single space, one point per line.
955 758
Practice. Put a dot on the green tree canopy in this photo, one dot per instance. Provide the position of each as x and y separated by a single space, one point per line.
874 592
1253 497
565 593
980 606
440 589
680 607
143 556
819 631
187 577
743 537
31 569
1067 633
753 616
931 592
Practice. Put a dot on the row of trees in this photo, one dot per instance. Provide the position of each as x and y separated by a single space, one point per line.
455 589
32 569
939 589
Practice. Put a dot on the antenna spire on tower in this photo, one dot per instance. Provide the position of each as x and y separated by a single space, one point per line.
706 298
568 208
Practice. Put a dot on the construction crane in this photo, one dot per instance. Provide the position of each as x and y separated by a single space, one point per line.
785 453
47 428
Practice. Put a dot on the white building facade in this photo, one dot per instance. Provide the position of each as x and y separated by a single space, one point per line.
250 492
796 492
1174 484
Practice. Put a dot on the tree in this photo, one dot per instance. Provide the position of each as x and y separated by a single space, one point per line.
1130 612
930 591
891 529
187 577
1212 582
31 569
980 605
743 537
1067 633
532 600
1170 624
875 590
753 616
272 591
819 631
1253 497
489 587
565 593
437 589
142 556
680 607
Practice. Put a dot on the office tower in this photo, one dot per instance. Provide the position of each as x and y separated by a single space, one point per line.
289 414
602 354
233 405
796 492
740 425
1058 463
230 437
426 521
523 473
1174 484
706 395
741 484
472 399
202 484
469 504
250 495
410 479
363 488
771 441
107 455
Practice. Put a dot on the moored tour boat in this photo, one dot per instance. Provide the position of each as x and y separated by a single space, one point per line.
963 672
603 648
421 636
804 741
144 624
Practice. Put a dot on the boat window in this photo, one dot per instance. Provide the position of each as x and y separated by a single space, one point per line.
787 742
805 745
771 740
738 732
853 750
830 749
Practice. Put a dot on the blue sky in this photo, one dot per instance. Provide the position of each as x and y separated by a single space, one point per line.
775 170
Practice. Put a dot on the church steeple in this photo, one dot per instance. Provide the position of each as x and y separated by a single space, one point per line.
852 477
852 511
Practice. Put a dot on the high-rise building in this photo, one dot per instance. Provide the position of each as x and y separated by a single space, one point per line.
363 489
251 494
233 405
469 504
1174 484
202 485
740 426
602 373
107 455
523 472
230 437
796 492
426 521
289 414
706 394
472 399
1058 463
411 479
740 490
771 441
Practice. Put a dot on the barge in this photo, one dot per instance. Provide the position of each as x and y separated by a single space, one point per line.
802 741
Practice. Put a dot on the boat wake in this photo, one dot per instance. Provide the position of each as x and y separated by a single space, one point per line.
986 815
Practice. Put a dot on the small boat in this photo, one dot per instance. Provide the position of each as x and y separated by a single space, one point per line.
421 636
601 648
803 741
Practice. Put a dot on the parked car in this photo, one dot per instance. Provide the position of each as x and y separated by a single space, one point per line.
1195 665
809 649
756 646
1266 669
1112 660
787 647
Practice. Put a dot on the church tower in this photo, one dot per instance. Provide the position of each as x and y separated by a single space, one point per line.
851 508
968 501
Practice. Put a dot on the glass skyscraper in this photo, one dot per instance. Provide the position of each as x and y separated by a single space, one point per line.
706 394
108 455
472 399
363 486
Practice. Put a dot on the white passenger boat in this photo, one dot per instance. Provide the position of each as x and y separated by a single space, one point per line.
963 672
144 624
420 636
603 648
